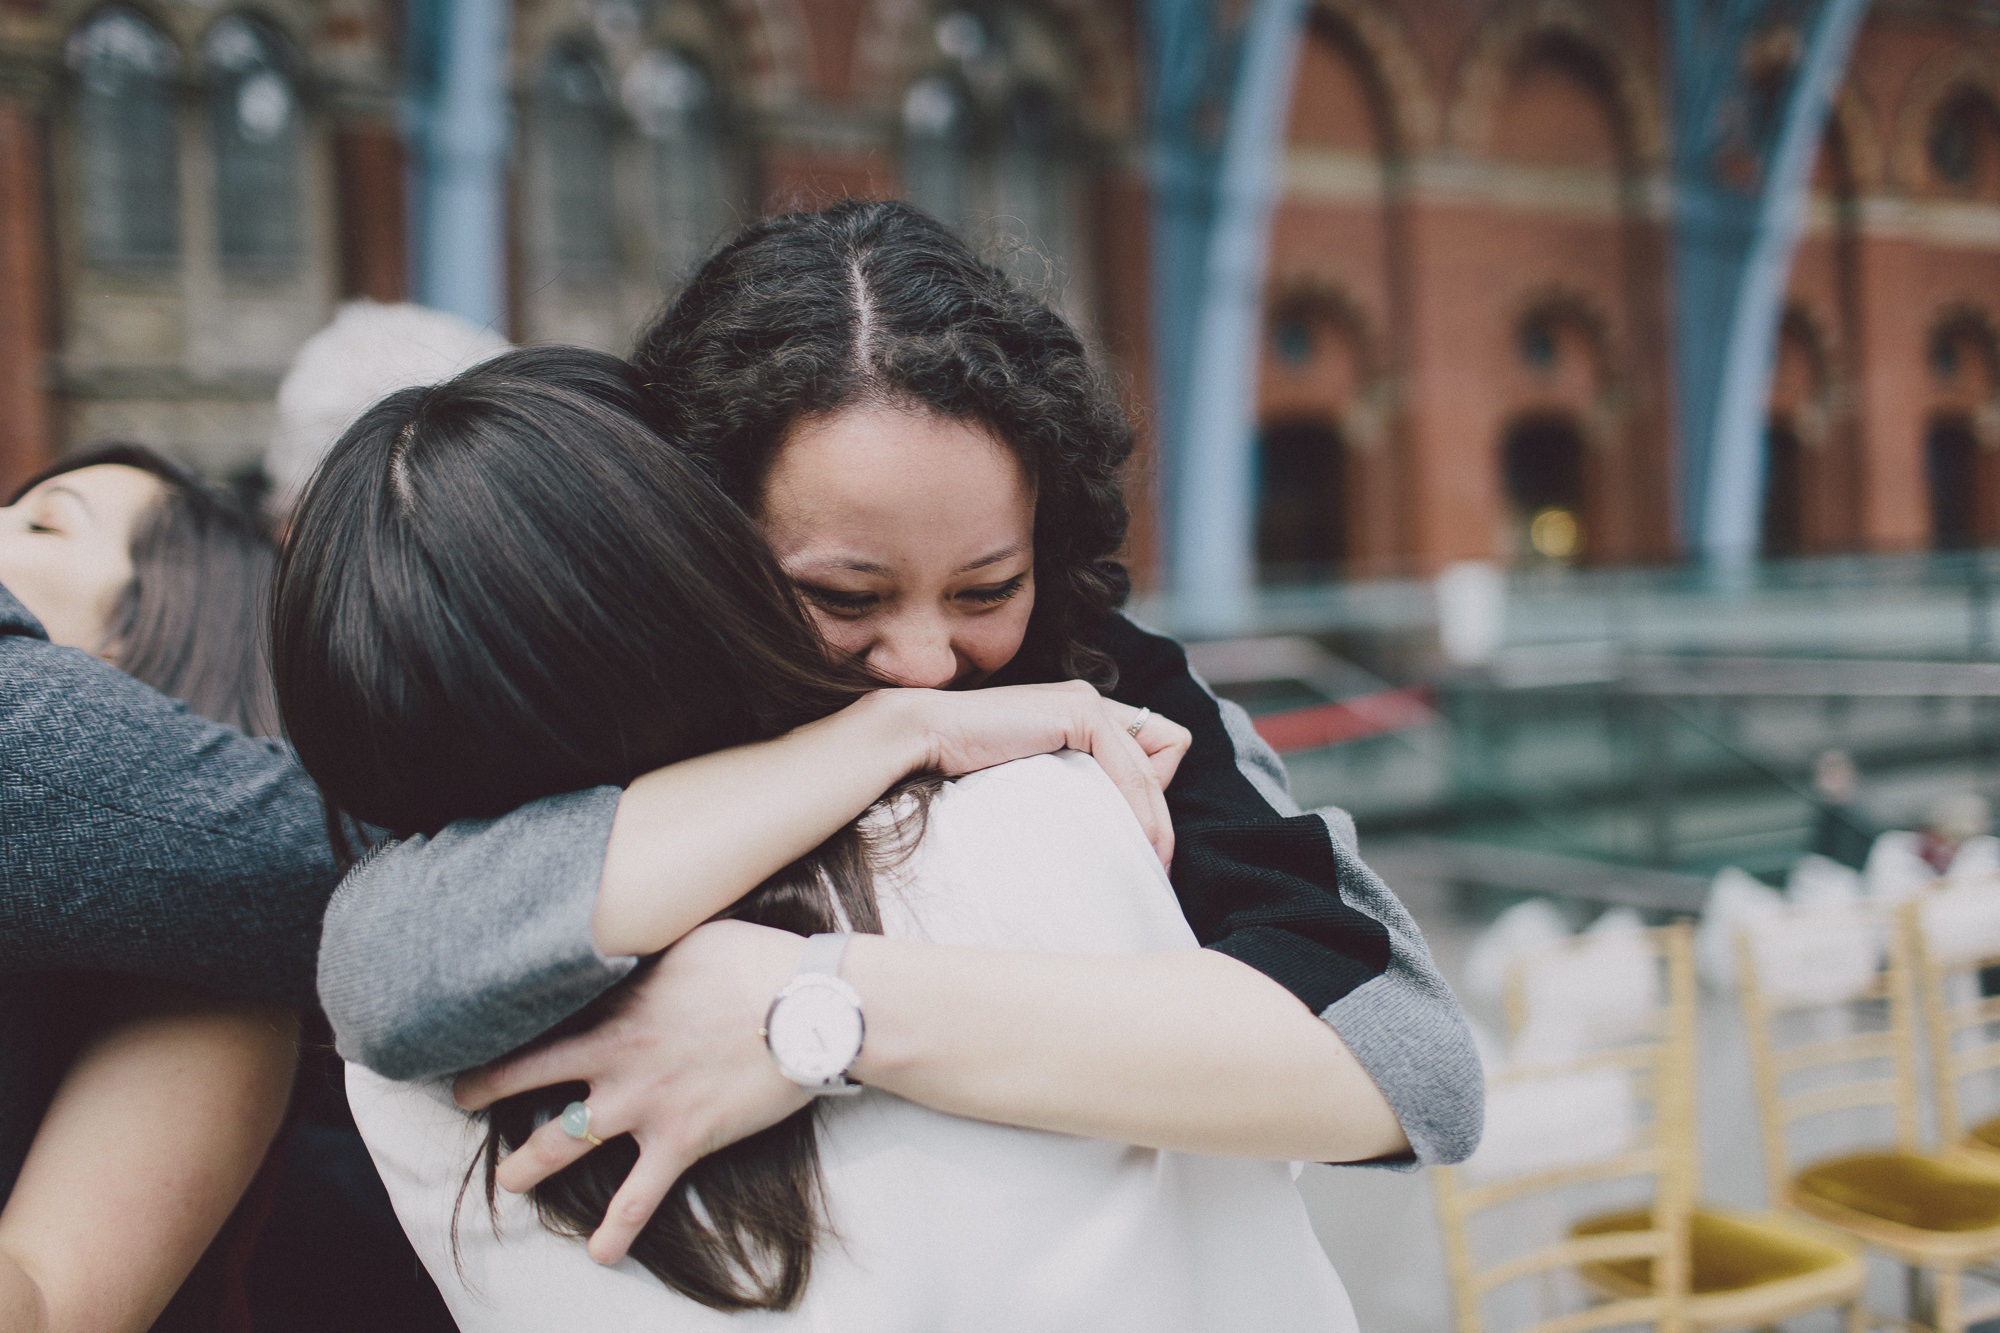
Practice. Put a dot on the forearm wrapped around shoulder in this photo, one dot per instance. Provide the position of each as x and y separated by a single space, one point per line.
443 953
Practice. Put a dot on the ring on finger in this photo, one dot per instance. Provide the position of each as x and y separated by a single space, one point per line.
576 1123
1145 714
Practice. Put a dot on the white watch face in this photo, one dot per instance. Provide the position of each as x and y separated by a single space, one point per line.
815 1029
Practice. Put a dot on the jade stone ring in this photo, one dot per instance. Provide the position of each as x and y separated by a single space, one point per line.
576 1123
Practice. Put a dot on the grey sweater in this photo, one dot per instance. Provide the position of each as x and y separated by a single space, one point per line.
138 839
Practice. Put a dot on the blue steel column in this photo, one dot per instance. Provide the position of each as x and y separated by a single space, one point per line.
1211 426
457 121
1734 240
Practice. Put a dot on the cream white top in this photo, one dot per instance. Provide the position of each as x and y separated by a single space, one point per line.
944 1225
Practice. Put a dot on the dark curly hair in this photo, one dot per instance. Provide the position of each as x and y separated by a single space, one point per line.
874 301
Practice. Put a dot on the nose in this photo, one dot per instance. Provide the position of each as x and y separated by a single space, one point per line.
918 655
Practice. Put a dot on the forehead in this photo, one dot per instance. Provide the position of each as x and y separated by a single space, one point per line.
111 492
890 478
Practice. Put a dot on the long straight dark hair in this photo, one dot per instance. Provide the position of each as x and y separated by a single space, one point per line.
506 587
191 622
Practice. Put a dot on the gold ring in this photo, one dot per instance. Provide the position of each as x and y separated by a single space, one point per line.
1138 722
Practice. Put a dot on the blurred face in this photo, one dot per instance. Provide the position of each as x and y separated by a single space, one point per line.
66 549
910 537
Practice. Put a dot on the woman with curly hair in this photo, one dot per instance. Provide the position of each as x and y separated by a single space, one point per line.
935 464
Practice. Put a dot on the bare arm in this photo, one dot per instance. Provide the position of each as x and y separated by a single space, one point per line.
447 952
152 1137
1189 1050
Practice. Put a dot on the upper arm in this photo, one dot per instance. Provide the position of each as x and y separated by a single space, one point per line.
156 1129
139 838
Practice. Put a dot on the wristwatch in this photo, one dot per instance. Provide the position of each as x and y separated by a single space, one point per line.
814 1029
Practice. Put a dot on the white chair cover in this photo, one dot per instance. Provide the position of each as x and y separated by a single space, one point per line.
1821 881
1735 899
1811 956
1894 870
1962 922
1603 989
1522 930
1977 859
1538 1124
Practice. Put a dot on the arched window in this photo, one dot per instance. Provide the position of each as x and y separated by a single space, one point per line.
127 139
937 145
253 118
1784 494
1541 462
1301 501
674 103
575 111
1951 467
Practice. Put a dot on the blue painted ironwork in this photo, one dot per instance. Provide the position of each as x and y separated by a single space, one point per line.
456 119
1212 238
1754 82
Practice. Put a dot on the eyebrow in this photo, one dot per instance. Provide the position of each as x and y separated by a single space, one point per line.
73 494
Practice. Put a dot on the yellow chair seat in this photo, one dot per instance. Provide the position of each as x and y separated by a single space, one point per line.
1988 1133
1922 1193
1725 1253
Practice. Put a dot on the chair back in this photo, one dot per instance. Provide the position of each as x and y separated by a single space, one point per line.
1949 936
1826 1006
1586 1107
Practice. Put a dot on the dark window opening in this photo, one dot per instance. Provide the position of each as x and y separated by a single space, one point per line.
1951 456
1301 501
1541 463
1783 499
577 124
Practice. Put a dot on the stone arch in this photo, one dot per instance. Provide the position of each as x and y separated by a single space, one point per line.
1948 74
1961 427
1351 382
893 36
1859 132
1377 34
1512 34
1564 339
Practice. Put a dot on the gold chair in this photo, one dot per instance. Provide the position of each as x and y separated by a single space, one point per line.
1821 968
1631 1008
1951 934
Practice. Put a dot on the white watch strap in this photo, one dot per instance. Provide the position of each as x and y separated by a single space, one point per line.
823 953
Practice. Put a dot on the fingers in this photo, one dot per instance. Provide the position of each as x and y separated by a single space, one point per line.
565 1061
547 1151
634 1203
1129 769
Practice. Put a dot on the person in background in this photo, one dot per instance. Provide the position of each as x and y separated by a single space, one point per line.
1842 830
134 1107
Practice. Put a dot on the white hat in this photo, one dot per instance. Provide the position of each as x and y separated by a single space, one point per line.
366 353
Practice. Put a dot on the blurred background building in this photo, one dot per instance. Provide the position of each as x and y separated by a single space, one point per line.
1467 314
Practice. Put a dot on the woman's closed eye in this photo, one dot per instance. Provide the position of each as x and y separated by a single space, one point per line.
839 601
994 594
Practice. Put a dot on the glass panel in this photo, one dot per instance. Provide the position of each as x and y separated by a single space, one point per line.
576 129
674 105
128 163
937 132
253 118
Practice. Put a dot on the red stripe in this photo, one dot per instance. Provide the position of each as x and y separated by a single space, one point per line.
1348 720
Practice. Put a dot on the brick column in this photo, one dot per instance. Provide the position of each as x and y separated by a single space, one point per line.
27 417
374 243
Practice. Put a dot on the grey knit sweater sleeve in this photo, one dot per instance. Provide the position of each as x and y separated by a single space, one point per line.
141 839
442 953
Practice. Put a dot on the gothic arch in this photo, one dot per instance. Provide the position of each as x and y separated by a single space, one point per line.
1410 111
1944 76
1503 40
1861 133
